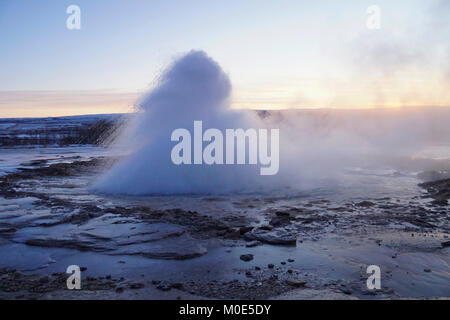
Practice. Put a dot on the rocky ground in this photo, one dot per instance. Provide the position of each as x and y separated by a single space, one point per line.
229 247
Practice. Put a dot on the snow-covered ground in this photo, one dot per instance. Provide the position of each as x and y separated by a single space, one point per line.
52 131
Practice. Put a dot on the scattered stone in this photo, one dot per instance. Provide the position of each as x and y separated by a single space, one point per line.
137 285
270 266
440 202
163 286
348 291
427 270
439 190
365 204
244 230
7 230
281 219
295 283
233 234
279 237
177 285
119 289
253 243
246 257
44 280
445 244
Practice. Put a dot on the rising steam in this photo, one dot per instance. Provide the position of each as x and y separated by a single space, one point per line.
314 145
193 88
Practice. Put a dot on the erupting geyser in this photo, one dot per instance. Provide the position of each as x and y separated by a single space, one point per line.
193 88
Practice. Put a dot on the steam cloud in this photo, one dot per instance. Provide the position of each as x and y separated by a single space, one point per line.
193 88
314 145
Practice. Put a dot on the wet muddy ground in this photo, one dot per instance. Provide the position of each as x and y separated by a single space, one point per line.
272 246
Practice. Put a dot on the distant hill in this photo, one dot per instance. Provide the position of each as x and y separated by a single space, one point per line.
86 129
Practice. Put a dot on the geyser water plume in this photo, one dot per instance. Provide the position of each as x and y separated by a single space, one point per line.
193 88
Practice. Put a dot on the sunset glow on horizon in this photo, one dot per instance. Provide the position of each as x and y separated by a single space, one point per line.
307 56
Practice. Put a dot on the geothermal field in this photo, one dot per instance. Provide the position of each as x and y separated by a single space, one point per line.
353 188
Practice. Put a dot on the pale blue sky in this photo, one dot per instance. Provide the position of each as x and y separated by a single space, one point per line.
279 53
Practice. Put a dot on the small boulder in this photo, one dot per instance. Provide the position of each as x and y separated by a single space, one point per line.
295 283
246 257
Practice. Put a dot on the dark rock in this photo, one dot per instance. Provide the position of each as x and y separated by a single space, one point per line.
295 283
438 190
270 266
440 202
421 223
445 244
282 214
244 230
253 243
7 230
365 204
281 219
137 285
221 233
44 280
348 291
280 237
246 257
163 286
119 289
233 234
177 285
